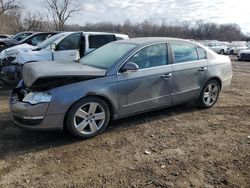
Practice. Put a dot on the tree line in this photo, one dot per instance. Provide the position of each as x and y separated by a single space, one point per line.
15 18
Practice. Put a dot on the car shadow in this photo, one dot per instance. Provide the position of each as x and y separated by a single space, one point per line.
151 116
17 141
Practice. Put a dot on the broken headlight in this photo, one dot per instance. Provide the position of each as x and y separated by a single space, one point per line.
37 97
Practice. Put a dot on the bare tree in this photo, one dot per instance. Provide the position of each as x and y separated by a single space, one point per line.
6 5
61 11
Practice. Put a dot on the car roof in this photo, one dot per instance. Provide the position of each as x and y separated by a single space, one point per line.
98 33
148 40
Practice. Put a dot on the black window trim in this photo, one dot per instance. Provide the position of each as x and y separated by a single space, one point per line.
197 46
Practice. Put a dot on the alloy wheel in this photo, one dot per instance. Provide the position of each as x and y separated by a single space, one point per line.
211 94
89 118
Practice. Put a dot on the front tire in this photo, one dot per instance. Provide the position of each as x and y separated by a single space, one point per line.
88 117
209 94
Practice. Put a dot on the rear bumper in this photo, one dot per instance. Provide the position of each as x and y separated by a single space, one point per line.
34 117
226 82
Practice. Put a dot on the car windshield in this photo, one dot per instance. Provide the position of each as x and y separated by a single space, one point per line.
107 55
21 36
50 40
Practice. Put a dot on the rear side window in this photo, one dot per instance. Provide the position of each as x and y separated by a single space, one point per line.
96 41
184 52
201 53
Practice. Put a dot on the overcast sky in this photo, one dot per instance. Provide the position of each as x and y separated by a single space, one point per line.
219 11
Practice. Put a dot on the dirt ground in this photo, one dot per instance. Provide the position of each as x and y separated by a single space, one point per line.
175 147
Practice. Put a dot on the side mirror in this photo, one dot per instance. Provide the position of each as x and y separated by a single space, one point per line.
130 67
53 46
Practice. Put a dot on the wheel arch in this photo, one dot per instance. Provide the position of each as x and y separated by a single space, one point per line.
216 79
108 101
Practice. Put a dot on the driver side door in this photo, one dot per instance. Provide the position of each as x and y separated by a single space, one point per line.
150 86
68 49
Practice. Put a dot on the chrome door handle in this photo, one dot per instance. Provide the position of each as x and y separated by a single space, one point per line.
203 69
166 75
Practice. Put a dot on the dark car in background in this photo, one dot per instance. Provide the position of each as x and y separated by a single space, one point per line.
26 37
5 42
244 55
4 37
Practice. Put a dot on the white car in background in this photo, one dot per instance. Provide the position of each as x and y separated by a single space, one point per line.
70 47
218 48
235 48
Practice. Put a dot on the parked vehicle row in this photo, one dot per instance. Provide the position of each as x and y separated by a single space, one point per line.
227 48
31 38
66 47
119 79
218 48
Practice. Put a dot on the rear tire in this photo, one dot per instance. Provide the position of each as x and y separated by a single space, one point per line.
222 52
88 117
209 94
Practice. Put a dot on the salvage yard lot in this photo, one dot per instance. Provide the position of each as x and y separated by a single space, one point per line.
174 147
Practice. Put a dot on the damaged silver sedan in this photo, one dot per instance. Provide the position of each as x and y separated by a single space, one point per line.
120 79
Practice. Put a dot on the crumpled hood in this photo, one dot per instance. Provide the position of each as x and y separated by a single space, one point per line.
31 72
29 56
15 50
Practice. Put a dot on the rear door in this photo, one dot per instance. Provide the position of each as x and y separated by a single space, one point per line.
67 51
189 70
96 41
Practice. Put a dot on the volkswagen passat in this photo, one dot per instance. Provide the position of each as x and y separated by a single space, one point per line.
120 79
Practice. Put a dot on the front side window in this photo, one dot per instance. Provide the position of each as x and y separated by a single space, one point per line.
151 56
70 43
201 53
96 41
184 52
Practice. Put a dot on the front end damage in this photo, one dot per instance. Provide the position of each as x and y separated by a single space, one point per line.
32 116
34 97
10 73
